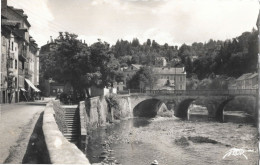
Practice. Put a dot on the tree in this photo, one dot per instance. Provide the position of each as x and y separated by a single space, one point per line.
135 42
155 45
144 78
148 42
74 62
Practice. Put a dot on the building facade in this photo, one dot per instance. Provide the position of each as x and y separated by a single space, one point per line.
18 56
172 78
245 81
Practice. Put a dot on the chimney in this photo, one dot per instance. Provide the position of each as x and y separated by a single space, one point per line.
51 41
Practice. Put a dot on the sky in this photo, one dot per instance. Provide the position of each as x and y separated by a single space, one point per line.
166 21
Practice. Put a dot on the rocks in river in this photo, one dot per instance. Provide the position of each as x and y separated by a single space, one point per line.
200 139
182 141
107 153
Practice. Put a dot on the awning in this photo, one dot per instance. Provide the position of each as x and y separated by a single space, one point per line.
31 84
22 89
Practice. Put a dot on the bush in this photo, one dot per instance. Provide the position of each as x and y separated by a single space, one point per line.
113 104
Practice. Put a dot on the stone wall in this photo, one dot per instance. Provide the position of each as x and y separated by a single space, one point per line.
61 151
95 112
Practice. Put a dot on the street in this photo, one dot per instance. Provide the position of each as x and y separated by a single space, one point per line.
17 123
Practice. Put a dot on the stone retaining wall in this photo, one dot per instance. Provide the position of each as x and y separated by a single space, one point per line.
61 151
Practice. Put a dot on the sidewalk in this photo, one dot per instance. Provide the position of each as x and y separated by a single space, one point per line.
16 126
36 102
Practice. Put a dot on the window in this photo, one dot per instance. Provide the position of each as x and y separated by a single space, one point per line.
15 64
15 82
11 63
180 86
12 46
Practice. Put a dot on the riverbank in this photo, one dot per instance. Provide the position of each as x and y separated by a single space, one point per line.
175 141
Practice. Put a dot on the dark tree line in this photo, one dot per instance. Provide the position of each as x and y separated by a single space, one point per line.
232 57
98 64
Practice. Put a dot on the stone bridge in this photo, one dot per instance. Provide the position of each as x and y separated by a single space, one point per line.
214 100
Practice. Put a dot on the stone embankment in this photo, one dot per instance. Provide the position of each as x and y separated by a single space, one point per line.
94 112
61 151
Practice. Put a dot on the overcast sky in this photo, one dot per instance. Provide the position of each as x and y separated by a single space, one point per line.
166 21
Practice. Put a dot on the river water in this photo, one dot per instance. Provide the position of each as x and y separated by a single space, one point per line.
170 141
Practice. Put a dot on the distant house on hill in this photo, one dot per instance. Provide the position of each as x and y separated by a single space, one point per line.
175 61
175 78
241 81
131 70
247 81
252 81
160 61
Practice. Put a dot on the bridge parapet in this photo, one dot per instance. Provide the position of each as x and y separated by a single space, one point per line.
204 92
214 100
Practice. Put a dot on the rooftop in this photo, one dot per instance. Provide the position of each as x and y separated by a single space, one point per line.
21 13
168 70
244 76
252 75
137 66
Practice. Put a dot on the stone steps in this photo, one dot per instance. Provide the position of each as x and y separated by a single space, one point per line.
72 119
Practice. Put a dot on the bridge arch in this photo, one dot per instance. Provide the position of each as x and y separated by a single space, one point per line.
243 103
220 109
182 109
148 108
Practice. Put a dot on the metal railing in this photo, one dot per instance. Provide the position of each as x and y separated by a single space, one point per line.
124 92
204 92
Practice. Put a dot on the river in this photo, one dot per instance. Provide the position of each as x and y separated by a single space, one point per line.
172 141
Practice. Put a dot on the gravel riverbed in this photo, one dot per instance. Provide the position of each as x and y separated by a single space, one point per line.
175 141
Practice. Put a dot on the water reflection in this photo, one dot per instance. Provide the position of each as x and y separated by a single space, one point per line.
237 117
103 135
200 114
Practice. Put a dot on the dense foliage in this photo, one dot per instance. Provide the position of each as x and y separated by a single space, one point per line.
144 78
82 65
231 57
